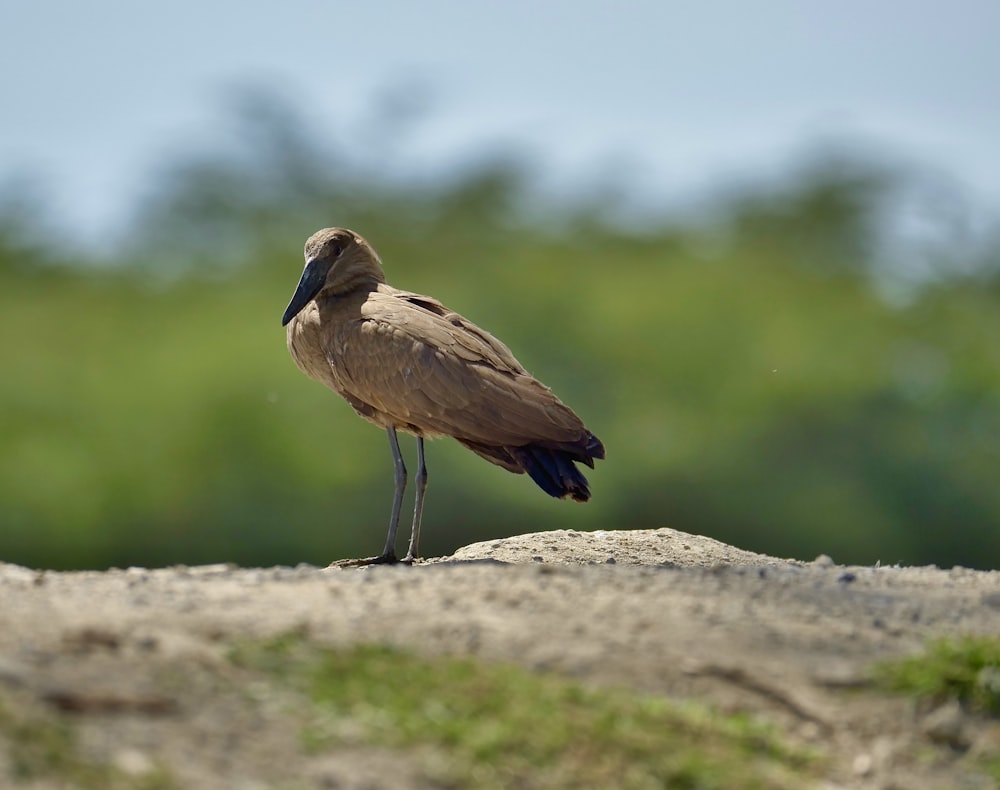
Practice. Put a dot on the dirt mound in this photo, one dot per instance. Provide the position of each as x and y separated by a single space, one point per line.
135 662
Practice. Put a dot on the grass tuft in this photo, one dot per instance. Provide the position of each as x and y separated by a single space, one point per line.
967 670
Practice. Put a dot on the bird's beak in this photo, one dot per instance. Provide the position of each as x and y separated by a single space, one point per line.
313 277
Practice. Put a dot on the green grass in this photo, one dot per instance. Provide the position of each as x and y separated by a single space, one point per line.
475 724
44 747
967 670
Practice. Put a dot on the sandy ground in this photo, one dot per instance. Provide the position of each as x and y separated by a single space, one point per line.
133 657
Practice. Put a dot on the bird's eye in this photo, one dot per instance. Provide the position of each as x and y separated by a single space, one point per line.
337 248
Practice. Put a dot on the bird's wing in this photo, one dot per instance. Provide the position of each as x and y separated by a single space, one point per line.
427 367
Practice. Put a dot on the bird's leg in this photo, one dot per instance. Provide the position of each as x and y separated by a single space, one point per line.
418 503
389 552
388 555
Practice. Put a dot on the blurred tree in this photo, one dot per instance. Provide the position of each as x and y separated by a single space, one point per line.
746 374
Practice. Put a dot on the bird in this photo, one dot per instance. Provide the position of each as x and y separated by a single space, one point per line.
405 362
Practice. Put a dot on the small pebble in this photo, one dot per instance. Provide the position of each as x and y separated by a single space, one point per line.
862 765
133 762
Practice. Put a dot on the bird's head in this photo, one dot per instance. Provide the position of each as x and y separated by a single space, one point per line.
337 261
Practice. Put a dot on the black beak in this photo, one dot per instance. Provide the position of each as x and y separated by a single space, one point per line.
313 277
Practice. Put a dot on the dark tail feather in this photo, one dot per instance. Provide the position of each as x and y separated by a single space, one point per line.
553 470
593 449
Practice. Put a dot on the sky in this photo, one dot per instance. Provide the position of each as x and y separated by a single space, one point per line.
669 98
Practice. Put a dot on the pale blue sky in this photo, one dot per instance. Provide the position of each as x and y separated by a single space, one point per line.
96 95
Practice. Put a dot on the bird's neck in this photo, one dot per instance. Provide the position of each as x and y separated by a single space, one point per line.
360 283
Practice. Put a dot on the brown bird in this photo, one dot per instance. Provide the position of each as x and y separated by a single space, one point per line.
406 362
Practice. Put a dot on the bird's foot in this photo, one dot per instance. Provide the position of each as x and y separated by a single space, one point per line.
381 559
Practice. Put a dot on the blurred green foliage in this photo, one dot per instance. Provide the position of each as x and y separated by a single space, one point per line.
746 369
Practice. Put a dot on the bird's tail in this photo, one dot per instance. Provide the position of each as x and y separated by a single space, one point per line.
553 470
550 467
